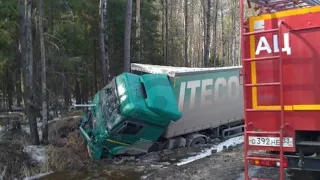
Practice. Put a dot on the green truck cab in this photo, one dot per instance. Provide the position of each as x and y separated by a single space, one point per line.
129 115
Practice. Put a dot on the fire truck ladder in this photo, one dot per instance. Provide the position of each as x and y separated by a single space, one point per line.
281 110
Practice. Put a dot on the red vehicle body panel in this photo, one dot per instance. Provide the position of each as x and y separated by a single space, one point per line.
301 66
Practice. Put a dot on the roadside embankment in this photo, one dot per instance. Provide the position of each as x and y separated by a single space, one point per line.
66 150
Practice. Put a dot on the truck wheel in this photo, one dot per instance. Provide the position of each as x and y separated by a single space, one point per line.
293 174
197 141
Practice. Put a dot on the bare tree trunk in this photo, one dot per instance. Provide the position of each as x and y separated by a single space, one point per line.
77 91
201 41
186 62
138 29
43 76
207 35
191 36
23 40
222 34
215 33
204 19
234 35
106 39
28 70
18 86
103 51
127 36
9 87
163 31
167 31
84 92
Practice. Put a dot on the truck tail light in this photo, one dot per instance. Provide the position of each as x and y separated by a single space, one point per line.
268 163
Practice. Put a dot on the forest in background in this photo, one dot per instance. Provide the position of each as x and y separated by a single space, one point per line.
54 51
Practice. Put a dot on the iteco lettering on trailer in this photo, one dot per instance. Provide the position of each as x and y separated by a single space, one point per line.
221 89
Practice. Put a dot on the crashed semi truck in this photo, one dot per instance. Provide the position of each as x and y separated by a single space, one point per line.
161 107
281 60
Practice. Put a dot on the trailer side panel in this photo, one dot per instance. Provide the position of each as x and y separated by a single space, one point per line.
206 100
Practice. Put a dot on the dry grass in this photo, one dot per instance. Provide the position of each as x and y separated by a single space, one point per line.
14 163
71 156
67 149
72 113
61 129
16 137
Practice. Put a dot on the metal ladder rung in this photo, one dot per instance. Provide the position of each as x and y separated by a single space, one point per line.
260 32
262 158
260 110
279 133
261 58
263 84
264 132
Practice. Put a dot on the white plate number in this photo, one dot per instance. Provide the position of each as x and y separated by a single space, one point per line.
270 141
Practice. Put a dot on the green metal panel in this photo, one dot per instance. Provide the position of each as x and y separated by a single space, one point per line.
160 97
133 104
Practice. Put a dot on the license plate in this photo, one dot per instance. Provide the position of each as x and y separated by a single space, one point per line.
270 141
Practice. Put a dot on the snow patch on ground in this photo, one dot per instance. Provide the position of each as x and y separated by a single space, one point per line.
229 143
218 148
2 129
37 153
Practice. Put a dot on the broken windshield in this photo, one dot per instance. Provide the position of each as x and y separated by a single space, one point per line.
110 105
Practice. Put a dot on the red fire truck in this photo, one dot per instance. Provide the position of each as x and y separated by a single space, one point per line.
281 61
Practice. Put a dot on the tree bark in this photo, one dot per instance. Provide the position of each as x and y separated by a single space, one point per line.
10 88
163 31
222 35
234 35
18 86
84 92
28 70
138 30
127 36
22 40
167 31
186 61
204 19
215 35
77 91
43 76
103 49
207 34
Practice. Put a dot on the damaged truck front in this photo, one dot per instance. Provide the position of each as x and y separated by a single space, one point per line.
129 115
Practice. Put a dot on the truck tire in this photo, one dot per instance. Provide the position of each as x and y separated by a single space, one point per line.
197 141
293 174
